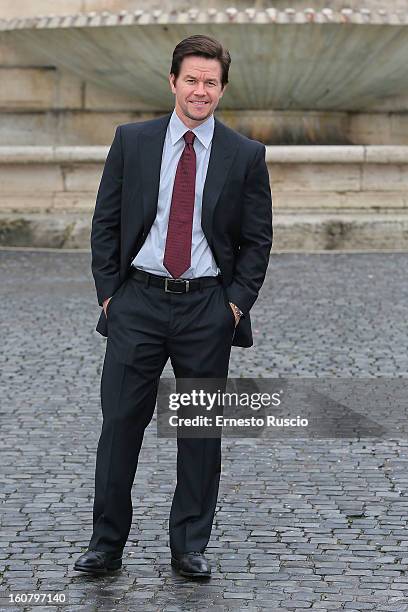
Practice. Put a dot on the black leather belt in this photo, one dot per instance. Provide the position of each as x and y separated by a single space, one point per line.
174 285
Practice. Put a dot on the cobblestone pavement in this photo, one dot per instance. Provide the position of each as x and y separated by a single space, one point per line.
300 524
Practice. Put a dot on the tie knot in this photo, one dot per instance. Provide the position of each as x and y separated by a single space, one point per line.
189 137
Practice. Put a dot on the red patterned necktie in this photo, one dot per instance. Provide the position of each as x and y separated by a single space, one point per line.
177 253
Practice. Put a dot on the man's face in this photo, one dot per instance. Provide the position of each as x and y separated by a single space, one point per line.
197 89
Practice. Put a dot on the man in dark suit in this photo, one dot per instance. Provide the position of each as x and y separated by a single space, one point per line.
181 237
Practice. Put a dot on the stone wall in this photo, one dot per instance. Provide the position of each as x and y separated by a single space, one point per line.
323 197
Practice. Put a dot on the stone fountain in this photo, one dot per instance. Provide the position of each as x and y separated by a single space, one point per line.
324 86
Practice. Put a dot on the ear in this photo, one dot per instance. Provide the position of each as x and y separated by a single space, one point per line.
223 90
172 81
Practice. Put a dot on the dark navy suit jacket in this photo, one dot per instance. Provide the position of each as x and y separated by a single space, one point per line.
236 212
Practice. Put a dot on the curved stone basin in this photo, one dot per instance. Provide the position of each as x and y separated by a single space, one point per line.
281 59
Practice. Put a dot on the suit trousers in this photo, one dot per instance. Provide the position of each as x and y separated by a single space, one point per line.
146 326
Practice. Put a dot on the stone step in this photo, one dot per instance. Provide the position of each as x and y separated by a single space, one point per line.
292 232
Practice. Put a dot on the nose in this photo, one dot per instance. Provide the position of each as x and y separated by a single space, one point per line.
200 89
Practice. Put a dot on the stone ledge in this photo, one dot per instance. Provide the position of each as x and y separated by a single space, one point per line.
194 15
52 155
325 197
277 154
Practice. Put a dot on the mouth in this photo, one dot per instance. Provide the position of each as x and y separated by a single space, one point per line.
198 104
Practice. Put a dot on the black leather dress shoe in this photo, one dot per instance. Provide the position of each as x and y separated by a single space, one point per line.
192 564
98 562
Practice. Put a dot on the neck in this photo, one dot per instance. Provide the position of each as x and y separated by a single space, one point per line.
190 123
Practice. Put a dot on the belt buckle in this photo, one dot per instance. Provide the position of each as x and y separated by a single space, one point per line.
184 283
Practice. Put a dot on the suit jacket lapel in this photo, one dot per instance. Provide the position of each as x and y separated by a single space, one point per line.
150 155
222 153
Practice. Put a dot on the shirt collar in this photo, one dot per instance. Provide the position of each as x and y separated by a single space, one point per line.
204 132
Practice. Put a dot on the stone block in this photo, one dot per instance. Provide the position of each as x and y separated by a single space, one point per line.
315 177
354 200
370 128
68 91
28 128
375 200
17 203
379 176
42 230
90 128
99 98
30 178
41 88
342 231
83 178
398 126
311 200
27 88
322 154
74 201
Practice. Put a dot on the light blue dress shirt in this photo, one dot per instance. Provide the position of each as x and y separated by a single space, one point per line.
150 256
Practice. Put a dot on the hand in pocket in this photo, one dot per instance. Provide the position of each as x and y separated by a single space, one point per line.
105 305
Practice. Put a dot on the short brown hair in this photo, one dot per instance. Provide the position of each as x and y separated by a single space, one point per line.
204 46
